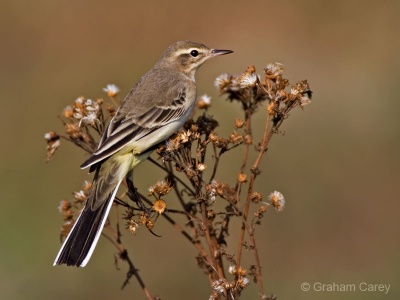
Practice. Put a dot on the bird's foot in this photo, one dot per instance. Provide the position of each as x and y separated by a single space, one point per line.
135 197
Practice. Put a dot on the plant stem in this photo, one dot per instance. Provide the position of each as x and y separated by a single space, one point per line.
124 256
265 140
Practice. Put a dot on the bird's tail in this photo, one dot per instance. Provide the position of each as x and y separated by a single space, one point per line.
79 245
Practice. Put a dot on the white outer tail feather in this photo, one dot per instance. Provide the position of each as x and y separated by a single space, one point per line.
96 239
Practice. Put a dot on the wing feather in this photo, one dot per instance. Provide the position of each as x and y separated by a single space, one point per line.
125 128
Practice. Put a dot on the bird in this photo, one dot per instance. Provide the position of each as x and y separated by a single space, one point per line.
155 108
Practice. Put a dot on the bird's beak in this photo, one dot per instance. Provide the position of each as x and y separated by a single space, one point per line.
216 52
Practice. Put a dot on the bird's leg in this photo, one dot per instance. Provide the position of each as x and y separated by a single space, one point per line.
134 195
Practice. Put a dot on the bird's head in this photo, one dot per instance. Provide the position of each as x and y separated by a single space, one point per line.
188 56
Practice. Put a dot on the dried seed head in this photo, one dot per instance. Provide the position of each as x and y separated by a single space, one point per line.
213 296
219 286
78 103
305 99
237 271
51 136
248 79
73 130
111 90
256 197
215 187
251 69
220 190
88 114
64 206
78 108
243 281
159 206
222 82
184 136
161 188
151 191
213 137
273 70
232 270
111 109
80 196
305 92
261 210
201 167
143 218
211 190
149 224
53 143
210 215
204 102
242 178
235 138
65 229
271 108
277 200
68 215
194 128
294 94
239 123
221 143
172 144
248 139
280 95
87 185
241 271
68 112
133 226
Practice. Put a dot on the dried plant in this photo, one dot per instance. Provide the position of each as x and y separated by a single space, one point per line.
182 160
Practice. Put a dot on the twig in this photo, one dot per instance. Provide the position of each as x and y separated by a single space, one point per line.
210 244
248 114
265 140
172 174
124 256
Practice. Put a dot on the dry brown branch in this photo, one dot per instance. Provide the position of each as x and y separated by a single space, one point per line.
182 160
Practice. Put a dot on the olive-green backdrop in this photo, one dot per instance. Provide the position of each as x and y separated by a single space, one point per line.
337 164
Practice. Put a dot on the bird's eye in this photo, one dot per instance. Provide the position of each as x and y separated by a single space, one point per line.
194 53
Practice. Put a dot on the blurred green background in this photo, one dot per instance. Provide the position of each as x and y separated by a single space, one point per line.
337 164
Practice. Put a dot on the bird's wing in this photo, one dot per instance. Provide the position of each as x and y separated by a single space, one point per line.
129 125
